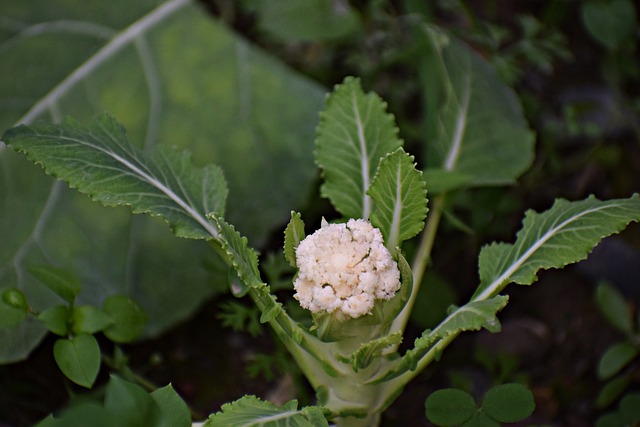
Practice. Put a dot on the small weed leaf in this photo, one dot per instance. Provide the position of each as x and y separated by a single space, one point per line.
15 298
173 410
56 319
450 407
78 358
89 320
615 358
508 403
130 404
612 390
65 284
128 318
614 308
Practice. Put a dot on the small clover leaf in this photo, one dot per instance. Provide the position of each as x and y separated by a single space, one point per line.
450 407
508 403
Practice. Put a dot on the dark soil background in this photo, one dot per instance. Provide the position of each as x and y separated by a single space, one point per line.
585 113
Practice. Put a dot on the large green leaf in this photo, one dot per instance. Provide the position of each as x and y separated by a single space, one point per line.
98 160
250 411
476 129
355 132
169 73
564 234
472 316
400 197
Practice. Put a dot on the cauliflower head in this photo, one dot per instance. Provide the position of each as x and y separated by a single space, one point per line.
345 268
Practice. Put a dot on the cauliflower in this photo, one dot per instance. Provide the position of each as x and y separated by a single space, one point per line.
345 268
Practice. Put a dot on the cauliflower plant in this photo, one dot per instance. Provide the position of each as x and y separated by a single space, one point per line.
345 268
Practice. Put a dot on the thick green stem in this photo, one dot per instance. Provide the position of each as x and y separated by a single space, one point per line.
421 260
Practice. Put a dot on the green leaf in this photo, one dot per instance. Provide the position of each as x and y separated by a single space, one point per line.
98 160
564 234
472 316
612 390
476 127
56 319
78 414
130 404
127 317
78 358
480 419
88 319
610 22
508 403
249 411
173 75
243 259
630 408
65 284
610 420
10 316
311 20
15 298
293 235
173 410
400 198
440 180
373 349
616 358
615 308
449 407
354 133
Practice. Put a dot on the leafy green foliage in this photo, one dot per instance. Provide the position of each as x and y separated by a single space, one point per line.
173 411
13 308
56 319
450 407
239 317
10 317
477 129
627 413
472 316
614 363
78 358
615 358
98 160
15 298
65 284
293 235
249 411
506 403
241 257
173 76
88 320
355 132
562 235
611 23
128 405
615 308
313 20
127 317
400 198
